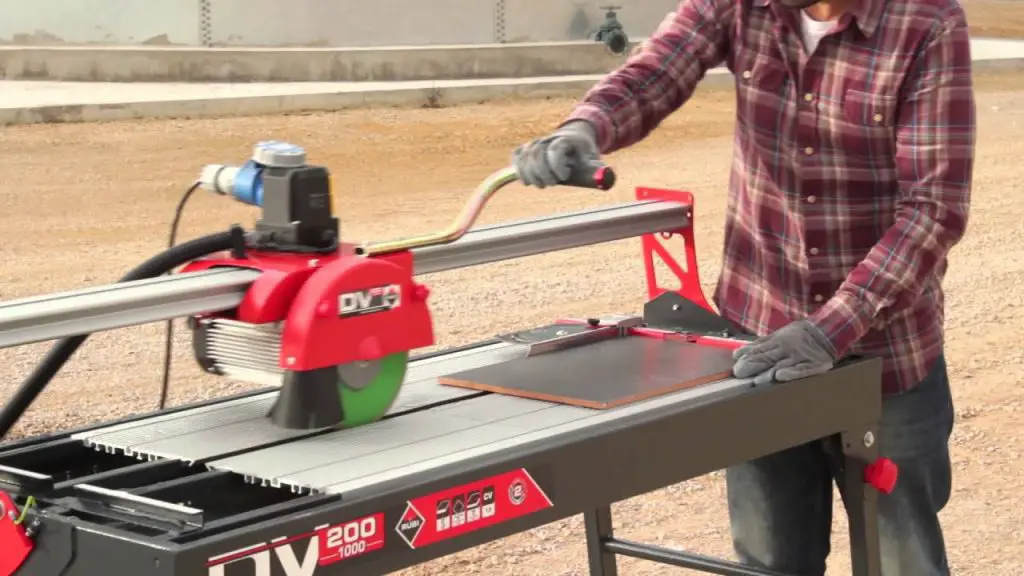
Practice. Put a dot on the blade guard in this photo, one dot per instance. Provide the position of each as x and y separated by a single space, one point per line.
15 545
356 309
282 275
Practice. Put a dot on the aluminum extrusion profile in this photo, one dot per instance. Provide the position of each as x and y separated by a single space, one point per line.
48 317
72 313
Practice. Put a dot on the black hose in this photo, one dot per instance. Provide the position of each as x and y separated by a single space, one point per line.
62 351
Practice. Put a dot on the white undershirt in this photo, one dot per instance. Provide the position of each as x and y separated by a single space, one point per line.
813 31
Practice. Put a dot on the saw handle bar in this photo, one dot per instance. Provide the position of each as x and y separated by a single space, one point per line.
592 175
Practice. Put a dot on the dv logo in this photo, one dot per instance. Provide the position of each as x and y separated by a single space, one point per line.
376 299
265 560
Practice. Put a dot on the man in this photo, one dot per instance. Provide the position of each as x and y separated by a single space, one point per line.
851 179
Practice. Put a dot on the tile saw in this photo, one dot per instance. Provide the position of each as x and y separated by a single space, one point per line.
358 458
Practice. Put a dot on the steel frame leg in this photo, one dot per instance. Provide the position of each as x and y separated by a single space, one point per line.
598 525
861 501
854 452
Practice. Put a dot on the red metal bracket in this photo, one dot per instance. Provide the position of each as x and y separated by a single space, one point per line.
15 545
714 341
688 273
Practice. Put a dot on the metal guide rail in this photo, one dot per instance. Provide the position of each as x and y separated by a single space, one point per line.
174 494
71 313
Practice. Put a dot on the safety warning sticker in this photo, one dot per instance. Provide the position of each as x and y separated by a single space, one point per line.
456 511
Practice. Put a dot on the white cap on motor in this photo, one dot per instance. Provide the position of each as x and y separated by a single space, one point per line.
276 154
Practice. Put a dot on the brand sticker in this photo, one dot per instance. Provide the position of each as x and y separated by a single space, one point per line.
463 509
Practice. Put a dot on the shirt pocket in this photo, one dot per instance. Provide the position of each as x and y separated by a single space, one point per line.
760 72
867 128
761 86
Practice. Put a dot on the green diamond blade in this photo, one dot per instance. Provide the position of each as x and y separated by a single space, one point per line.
368 389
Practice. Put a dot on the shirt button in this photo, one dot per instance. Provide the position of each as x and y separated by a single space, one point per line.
812 199
808 150
813 251
878 117
747 74
818 297
808 97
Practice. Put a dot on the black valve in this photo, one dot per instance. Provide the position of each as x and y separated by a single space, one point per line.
611 33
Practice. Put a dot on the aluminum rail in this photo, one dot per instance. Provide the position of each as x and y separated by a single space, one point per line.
522 238
63 314
113 306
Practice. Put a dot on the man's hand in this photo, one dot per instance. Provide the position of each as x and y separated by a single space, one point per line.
549 161
795 351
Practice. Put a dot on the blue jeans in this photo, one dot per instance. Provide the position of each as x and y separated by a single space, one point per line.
780 506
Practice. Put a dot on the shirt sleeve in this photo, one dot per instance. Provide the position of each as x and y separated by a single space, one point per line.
631 101
935 138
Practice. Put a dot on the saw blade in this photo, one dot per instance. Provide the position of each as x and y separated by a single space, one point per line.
359 375
368 389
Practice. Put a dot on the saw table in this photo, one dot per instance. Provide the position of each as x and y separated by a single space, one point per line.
479 442
215 489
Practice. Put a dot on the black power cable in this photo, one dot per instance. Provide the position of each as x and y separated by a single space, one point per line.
163 263
165 385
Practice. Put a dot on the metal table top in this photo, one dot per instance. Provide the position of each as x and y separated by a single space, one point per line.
430 426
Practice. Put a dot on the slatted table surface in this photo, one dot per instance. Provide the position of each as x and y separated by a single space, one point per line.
430 425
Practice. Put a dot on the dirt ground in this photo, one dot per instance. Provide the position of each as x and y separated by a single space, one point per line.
995 18
84 203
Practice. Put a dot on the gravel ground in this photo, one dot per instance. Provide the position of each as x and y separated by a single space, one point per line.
84 203
995 18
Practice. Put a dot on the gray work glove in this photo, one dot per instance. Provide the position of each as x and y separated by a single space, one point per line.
797 350
549 161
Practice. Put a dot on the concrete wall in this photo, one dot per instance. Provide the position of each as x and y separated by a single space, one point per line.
185 64
350 22
558 20
100 21
334 23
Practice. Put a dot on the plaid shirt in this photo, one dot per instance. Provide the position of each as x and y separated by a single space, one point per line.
851 169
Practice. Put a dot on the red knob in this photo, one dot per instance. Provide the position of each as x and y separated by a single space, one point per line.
420 292
882 474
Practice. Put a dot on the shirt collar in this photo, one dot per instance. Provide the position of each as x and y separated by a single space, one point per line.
866 13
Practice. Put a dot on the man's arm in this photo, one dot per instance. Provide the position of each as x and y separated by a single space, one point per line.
934 160
667 21
631 101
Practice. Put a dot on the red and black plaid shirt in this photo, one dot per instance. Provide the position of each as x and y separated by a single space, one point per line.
852 167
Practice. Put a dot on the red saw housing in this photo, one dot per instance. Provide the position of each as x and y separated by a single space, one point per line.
337 308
